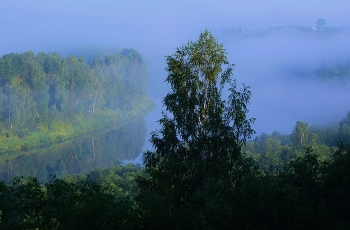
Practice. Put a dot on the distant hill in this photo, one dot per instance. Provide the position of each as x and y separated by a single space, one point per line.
317 30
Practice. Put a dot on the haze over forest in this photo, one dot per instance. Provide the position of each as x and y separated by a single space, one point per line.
73 74
276 65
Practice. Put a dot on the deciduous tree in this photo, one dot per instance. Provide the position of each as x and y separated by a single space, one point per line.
202 133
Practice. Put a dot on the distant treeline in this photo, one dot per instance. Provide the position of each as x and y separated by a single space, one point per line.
318 31
326 71
43 92
339 72
272 152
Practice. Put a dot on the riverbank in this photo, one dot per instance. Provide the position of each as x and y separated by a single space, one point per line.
62 130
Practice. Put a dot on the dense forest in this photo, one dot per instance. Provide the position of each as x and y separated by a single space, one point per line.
46 98
273 151
205 172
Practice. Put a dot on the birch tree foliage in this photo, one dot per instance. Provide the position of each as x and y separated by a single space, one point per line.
300 134
202 132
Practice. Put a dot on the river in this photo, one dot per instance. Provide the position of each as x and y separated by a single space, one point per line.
98 149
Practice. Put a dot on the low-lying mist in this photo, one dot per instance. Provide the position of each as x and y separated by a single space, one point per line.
280 70
279 66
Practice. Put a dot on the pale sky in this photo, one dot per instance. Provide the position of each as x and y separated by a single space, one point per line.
38 24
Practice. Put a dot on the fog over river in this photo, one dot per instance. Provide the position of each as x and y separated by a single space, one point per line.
277 66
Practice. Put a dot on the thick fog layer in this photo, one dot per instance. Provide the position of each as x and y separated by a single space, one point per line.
281 94
272 64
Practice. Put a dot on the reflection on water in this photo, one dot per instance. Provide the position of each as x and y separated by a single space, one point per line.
97 149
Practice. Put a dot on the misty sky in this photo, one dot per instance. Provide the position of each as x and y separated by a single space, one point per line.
47 24
156 27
